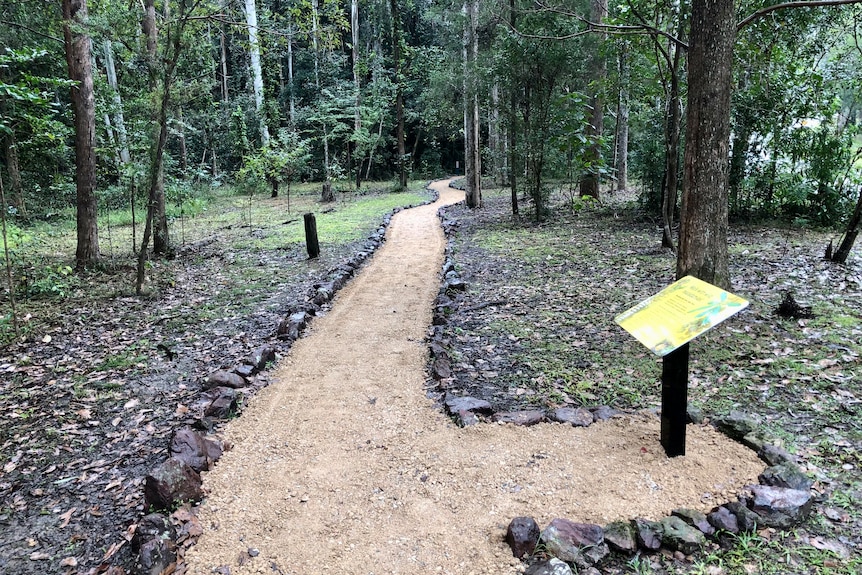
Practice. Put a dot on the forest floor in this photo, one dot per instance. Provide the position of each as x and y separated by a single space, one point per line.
101 378
89 400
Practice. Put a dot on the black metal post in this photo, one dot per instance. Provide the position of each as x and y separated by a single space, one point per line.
674 401
311 236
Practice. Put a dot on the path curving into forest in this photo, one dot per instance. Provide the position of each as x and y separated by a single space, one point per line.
342 465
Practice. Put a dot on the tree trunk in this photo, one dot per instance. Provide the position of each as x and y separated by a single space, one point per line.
161 238
326 194
181 136
703 217
671 154
290 74
78 49
622 136
399 94
357 101
119 118
225 94
472 151
13 166
850 234
598 70
256 71
512 134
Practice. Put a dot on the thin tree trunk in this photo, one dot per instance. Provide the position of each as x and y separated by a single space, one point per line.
472 151
78 50
256 71
595 128
181 136
850 233
13 167
671 179
622 132
399 94
119 118
290 74
512 134
326 195
374 147
225 94
10 282
357 101
161 238
703 217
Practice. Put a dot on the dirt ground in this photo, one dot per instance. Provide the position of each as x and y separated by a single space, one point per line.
344 465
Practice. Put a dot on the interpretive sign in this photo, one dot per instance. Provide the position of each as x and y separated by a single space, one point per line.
678 314
665 323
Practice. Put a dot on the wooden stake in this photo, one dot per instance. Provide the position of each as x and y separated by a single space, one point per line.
311 243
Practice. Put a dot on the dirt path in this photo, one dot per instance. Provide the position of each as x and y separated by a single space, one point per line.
343 465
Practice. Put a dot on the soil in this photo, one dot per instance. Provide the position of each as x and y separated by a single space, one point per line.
344 465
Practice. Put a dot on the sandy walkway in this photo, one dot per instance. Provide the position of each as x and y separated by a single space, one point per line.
343 466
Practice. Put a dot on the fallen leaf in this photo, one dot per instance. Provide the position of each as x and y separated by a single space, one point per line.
831 545
69 562
39 556
46 339
66 517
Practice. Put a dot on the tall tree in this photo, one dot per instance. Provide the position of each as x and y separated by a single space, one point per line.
621 139
472 148
255 69
78 49
598 70
397 41
158 111
703 216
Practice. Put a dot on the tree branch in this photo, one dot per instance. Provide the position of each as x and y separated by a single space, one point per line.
36 32
803 4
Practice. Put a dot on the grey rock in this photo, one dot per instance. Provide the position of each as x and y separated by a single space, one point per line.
155 557
152 526
466 418
223 378
746 519
195 449
604 412
260 357
245 371
680 536
696 519
441 369
579 417
754 441
170 483
522 535
522 418
723 520
620 536
579 543
694 414
292 326
648 534
552 567
736 424
785 474
218 402
457 404
774 455
779 506
456 285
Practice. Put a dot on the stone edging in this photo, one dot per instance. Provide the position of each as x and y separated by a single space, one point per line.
175 485
782 499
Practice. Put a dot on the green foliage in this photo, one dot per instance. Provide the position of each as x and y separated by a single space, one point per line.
284 157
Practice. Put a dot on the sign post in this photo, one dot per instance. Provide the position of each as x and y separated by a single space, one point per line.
665 323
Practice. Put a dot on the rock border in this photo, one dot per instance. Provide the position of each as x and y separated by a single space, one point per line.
782 499
173 488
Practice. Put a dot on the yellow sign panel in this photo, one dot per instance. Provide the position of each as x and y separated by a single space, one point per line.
679 313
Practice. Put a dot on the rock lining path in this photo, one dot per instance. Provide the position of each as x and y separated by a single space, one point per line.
342 465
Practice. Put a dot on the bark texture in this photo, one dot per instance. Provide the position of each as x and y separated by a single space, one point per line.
78 50
703 219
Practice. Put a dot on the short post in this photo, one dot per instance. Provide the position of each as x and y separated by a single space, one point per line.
311 236
674 400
